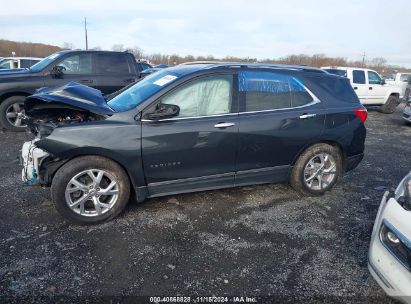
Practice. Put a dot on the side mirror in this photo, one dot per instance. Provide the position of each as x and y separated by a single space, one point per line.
382 81
58 71
163 111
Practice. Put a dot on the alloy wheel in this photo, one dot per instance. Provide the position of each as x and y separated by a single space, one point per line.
320 171
14 113
92 192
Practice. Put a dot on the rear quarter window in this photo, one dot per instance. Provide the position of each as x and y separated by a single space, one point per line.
332 88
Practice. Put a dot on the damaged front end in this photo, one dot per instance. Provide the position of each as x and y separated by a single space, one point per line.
50 108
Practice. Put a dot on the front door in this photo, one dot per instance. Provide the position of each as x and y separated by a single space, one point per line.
376 91
78 68
195 150
359 85
278 118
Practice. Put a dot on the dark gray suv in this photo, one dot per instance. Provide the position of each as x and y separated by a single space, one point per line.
193 127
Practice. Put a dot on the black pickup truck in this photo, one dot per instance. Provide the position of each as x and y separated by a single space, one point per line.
103 70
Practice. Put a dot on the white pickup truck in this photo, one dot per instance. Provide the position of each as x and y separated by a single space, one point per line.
371 89
400 80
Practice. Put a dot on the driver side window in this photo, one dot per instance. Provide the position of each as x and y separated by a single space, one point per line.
373 78
203 97
77 64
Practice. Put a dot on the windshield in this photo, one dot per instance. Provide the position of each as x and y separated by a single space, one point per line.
45 62
142 90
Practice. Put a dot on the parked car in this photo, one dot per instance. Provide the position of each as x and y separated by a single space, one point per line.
371 89
389 259
406 114
143 65
400 80
18 62
153 69
189 128
106 71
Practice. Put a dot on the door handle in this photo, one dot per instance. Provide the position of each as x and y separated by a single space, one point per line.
222 125
305 116
86 81
370 88
355 88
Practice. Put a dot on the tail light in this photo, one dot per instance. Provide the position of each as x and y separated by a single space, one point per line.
361 113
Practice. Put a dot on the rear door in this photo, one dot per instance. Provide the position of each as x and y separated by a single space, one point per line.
114 71
195 150
278 118
376 91
359 84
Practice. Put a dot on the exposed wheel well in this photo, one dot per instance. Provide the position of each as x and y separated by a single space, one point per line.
395 95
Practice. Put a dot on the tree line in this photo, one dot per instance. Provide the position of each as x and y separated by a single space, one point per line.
42 50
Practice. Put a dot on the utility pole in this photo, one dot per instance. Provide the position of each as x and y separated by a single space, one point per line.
363 59
85 31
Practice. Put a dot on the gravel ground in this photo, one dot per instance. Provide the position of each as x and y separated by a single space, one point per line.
252 241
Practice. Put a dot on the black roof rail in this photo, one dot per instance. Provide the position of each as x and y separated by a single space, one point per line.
216 64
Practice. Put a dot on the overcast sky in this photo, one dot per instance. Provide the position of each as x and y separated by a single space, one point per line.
253 28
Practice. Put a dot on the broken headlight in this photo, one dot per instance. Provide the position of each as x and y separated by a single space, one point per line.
396 243
403 192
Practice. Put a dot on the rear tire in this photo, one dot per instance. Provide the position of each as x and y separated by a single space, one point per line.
101 198
317 170
390 106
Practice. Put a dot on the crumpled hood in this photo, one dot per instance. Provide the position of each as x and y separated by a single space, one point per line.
72 95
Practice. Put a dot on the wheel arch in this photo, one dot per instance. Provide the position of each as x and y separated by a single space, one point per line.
333 143
8 94
53 163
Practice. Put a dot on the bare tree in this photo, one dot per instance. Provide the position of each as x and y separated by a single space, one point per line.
118 47
67 46
137 52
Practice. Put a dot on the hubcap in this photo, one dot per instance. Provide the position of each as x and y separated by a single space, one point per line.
92 192
14 113
320 171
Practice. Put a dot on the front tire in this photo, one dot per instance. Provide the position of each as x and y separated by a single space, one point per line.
390 106
317 170
90 190
10 110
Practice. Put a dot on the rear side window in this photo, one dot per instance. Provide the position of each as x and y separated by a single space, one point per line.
26 63
112 64
269 91
332 88
358 77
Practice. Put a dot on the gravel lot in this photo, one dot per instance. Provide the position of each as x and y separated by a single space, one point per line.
250 241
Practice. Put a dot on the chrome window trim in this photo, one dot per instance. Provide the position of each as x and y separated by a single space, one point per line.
191 117
315 101
283 109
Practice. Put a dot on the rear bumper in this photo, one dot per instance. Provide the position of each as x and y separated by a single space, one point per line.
353 161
